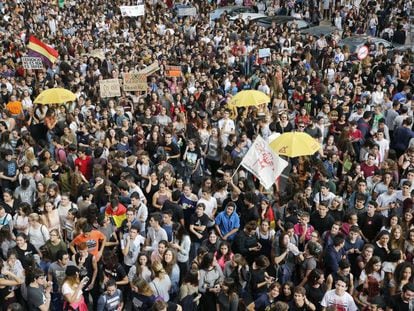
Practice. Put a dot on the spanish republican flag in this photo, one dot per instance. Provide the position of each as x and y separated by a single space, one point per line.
39 49
118 214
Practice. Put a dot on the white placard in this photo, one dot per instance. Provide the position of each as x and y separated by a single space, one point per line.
32 62
109 88
149 70
187 11
264 53
133 10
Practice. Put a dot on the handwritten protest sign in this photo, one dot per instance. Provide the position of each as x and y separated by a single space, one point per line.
109 88
150 69
32 63
187 11
264 53
173 71
135 82
98 53
132 10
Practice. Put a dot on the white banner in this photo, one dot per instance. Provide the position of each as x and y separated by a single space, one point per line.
32 62
191 11
133 10
262 162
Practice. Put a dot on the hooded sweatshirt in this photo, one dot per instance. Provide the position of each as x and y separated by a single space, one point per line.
227 223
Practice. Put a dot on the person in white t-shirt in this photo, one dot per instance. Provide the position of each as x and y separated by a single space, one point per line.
324 196
387 200
209 201
131 246
384 145
338 297
226 126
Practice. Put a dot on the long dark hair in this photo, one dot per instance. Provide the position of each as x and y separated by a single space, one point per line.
207 261
314 276
110 259
220 254
138 265
5 234
231 285
180 232
281 246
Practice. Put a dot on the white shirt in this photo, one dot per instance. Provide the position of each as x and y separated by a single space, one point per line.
142 214
155 236
264 88
211 205
226 126
319 197
344 302
38 237
384 199
384 146
134 248
67 290
137 189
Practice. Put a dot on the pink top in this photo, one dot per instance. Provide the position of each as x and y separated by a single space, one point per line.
299 231
221 262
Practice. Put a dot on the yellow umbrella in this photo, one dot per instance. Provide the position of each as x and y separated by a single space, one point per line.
295 144
249 98
55 96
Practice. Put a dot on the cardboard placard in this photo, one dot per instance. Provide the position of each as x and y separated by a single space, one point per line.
187 11
132 10
173 71
109 88
32 62
97 53
264 53
135 82
149 70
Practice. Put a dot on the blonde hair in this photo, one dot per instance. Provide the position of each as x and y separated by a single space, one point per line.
158 269
72 280
143 286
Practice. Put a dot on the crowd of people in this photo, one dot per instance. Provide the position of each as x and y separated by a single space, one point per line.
137 202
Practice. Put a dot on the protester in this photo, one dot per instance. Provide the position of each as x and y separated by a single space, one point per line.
144 184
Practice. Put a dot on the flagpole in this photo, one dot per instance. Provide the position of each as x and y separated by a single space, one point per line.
236 170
